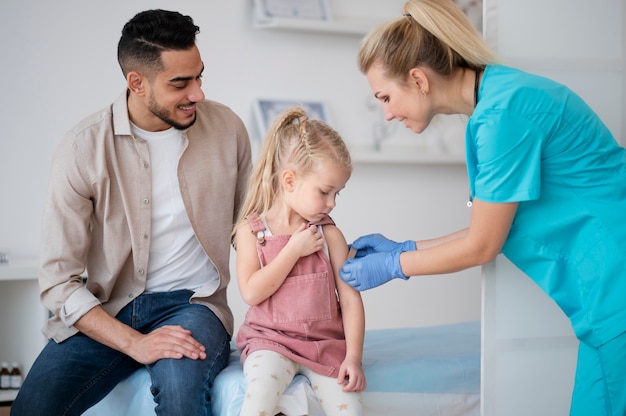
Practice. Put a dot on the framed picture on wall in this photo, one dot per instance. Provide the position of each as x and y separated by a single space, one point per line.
293 9
266 110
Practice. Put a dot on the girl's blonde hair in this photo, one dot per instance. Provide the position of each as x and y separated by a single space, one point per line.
435 33
293 141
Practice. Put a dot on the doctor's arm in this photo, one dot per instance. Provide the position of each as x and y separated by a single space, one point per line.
479 244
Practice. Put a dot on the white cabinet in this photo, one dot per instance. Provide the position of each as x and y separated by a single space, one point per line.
528 347
22 314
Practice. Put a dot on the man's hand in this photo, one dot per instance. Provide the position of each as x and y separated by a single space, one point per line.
170 341
166 342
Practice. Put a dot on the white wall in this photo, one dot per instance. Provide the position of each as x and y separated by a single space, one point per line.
59 65
561 40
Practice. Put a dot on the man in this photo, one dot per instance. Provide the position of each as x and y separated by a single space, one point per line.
143 196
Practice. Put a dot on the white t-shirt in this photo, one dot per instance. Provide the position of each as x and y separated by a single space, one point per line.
177 260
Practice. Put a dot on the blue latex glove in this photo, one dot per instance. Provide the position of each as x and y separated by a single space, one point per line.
372 270
377 243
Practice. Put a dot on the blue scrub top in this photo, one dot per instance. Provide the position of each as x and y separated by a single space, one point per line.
534 141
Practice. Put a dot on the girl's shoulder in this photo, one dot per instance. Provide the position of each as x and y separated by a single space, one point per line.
331 231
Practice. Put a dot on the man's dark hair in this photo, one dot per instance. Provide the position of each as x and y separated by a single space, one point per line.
148 34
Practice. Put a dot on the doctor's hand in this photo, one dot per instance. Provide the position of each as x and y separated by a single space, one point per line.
378 243
372 270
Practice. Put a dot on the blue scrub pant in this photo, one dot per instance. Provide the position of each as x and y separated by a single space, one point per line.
600 384
70 377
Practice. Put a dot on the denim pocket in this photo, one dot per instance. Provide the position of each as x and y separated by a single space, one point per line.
303 298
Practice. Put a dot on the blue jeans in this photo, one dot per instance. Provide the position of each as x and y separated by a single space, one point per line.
70 377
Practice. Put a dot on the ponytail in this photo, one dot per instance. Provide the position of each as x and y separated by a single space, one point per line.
434 33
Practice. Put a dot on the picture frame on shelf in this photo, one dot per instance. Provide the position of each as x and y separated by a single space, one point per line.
292 9
266 110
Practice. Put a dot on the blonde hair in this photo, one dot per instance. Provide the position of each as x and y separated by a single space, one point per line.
435 33
293 141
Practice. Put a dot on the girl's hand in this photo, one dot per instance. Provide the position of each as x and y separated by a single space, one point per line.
351 375
306 240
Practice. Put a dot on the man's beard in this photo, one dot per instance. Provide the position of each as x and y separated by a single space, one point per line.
163 114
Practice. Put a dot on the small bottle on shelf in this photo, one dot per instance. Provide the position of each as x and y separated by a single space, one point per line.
5 376
16 376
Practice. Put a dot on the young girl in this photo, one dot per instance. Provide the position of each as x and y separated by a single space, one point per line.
303 318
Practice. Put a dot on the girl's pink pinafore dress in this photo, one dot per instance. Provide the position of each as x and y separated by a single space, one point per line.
302 319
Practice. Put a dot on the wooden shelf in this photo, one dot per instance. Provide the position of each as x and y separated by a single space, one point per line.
351 26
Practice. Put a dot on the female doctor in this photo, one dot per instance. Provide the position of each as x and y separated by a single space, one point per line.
547 181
